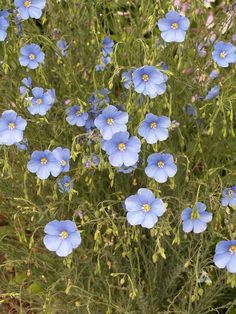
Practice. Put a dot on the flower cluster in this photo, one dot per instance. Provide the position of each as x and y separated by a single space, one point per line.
44 163
41 101
111 124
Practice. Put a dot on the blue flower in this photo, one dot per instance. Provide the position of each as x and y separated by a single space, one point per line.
18 21
52 93
154 128
148 80
124 169
164 66
62 45
214 74
4 13
43 163
41 101
89 125
122 150
127 78
144 209
213 92
160 167
31 56
229 197
30 8
107 46
95 161
195 219
99 98
225 255
190 110
106 60
22 145
224 53
100 67
173 27
3 27
62 155
201 50
27 81
76 116
61 237
11 128
65 184
111 121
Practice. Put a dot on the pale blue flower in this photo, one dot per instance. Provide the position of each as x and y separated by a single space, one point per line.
61 237
154 128
160 167
195 219
173 27
144 209
12 128
225 255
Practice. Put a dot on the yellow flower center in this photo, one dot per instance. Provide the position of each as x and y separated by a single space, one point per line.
64 234
231 193
11 125
223 54
160 164
153 125
110 121
195 213
63 163
32 56
43 161
175 26
78 113
146 208
232 249
39 101
145 77
122 147
27 4
67 184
